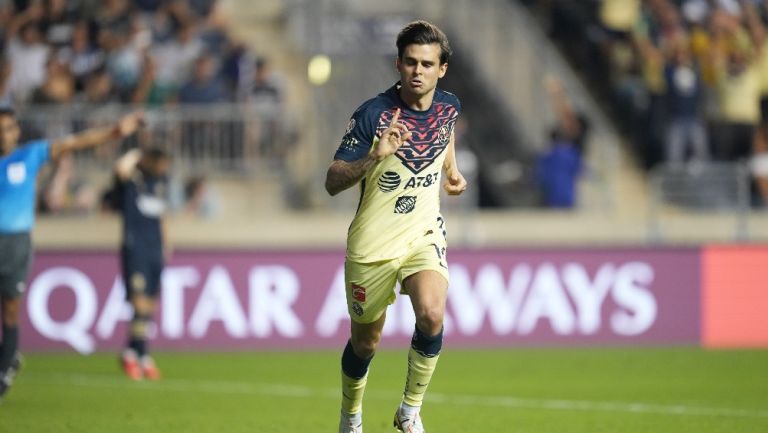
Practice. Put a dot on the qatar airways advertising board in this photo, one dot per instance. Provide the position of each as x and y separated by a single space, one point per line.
295 299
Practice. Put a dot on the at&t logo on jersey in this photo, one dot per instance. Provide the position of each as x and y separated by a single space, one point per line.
422 181
389 181
405 204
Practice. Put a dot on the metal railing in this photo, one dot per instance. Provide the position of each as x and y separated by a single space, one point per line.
221 139
700 190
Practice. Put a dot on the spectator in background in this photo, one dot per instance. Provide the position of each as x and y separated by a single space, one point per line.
263 97
758 166
26 52
82 57
5 73
761 16
125 58
685 125
649 140
58 23
6 15
237 68
619 16
113 17
58 87
737 80
160 22
558 168
99 89
174 60
199 133
205 87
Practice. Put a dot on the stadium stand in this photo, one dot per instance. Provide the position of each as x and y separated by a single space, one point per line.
240 113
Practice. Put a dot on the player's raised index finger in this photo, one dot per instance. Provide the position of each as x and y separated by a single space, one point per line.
394 118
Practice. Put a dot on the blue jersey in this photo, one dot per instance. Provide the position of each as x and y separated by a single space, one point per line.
18 182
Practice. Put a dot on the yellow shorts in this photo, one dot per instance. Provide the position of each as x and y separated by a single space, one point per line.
370 287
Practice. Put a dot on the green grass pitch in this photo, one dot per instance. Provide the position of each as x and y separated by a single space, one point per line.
590 390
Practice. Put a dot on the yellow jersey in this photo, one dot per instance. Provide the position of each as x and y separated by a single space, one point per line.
399 196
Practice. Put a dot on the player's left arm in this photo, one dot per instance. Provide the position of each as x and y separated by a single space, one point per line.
454 183
93 137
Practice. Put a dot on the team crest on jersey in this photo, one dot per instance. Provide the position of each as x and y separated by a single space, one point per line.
17 173
429 136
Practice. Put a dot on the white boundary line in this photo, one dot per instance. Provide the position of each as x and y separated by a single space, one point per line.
297 391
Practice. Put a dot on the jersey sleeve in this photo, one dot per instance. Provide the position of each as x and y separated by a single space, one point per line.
39 152
455 102
358 138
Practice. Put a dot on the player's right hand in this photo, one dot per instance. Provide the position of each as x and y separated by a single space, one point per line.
392 138
130 123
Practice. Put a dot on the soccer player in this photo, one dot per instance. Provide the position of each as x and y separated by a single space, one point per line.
19 165
142 186
396 146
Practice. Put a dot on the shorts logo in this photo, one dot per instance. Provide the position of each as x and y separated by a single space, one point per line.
389 181
357 309
358 292
405 204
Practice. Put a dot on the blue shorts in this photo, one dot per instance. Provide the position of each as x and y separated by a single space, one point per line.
16 254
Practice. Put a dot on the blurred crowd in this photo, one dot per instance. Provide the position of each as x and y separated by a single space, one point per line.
152 52
66 65
687 79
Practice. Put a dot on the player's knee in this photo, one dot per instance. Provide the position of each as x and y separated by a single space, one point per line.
430 320
365 345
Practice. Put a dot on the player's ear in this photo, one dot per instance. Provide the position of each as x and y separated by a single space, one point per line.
443 70
397 63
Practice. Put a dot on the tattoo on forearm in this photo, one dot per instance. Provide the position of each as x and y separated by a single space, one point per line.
342 174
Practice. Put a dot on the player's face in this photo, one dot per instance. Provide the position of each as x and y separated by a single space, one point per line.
420 69
9 134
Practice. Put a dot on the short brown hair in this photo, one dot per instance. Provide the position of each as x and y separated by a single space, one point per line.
423 33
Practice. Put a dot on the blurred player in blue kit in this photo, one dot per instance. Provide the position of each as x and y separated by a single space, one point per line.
19 165
397 146
141 199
